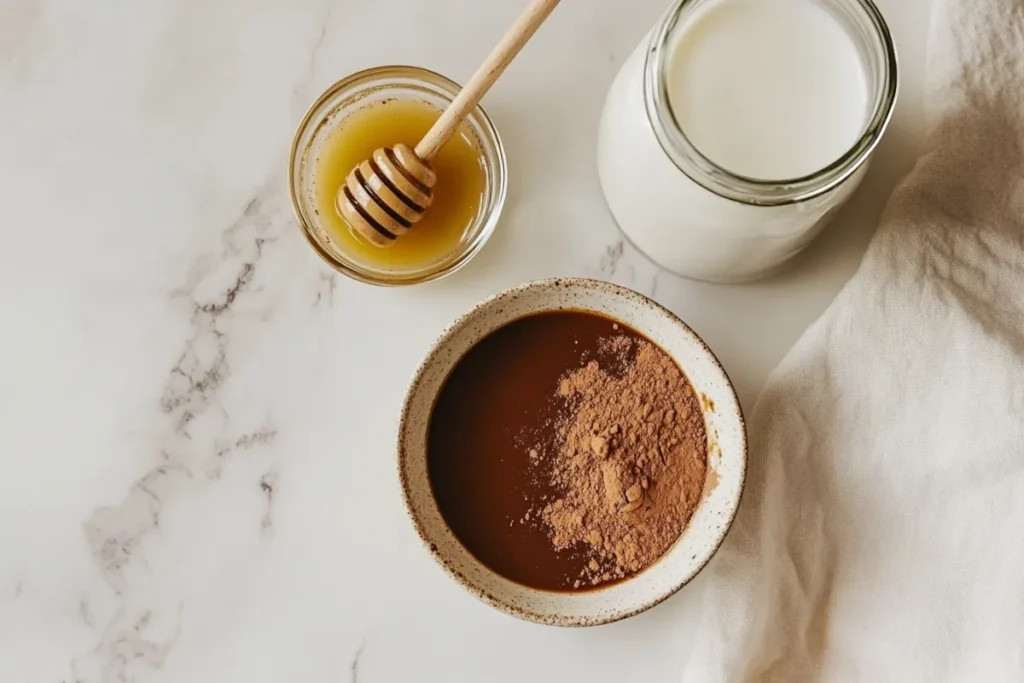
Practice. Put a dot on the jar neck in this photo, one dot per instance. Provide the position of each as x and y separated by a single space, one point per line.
869 34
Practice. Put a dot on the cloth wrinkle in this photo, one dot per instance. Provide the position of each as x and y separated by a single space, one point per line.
879 538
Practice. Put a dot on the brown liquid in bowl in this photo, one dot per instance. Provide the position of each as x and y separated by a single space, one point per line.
499 400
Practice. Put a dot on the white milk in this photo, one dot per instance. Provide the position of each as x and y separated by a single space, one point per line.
766 91
769 89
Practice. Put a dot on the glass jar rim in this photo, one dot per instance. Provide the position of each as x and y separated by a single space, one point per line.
761 192
320 112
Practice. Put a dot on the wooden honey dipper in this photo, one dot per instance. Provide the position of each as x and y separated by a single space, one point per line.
383 196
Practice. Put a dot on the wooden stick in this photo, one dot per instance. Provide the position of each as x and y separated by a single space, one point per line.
481 81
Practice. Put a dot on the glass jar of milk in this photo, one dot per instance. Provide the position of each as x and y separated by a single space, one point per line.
737 127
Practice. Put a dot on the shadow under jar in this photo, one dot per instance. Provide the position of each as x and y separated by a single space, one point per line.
737 127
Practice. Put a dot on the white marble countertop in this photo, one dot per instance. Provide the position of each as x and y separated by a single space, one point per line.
197 479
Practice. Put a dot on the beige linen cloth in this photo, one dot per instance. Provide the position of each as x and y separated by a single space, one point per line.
881 536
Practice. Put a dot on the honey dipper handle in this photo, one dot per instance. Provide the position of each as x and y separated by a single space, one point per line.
481 81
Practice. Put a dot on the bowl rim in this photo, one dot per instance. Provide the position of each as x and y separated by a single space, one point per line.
472 588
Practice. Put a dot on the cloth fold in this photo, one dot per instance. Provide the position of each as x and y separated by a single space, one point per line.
881 537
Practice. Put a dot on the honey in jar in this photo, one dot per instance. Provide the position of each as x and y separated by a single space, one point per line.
458 193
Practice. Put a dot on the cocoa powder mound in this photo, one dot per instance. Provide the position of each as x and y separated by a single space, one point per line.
630 461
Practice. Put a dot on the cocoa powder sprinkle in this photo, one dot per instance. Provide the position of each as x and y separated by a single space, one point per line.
630 460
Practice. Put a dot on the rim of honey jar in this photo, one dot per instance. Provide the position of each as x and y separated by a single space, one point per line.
363 89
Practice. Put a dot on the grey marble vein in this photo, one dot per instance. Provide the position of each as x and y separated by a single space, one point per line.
194 443
356 657
326 285
301 95
126 653
612 256
267 483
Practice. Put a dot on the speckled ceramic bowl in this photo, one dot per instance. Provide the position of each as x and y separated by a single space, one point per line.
727 451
